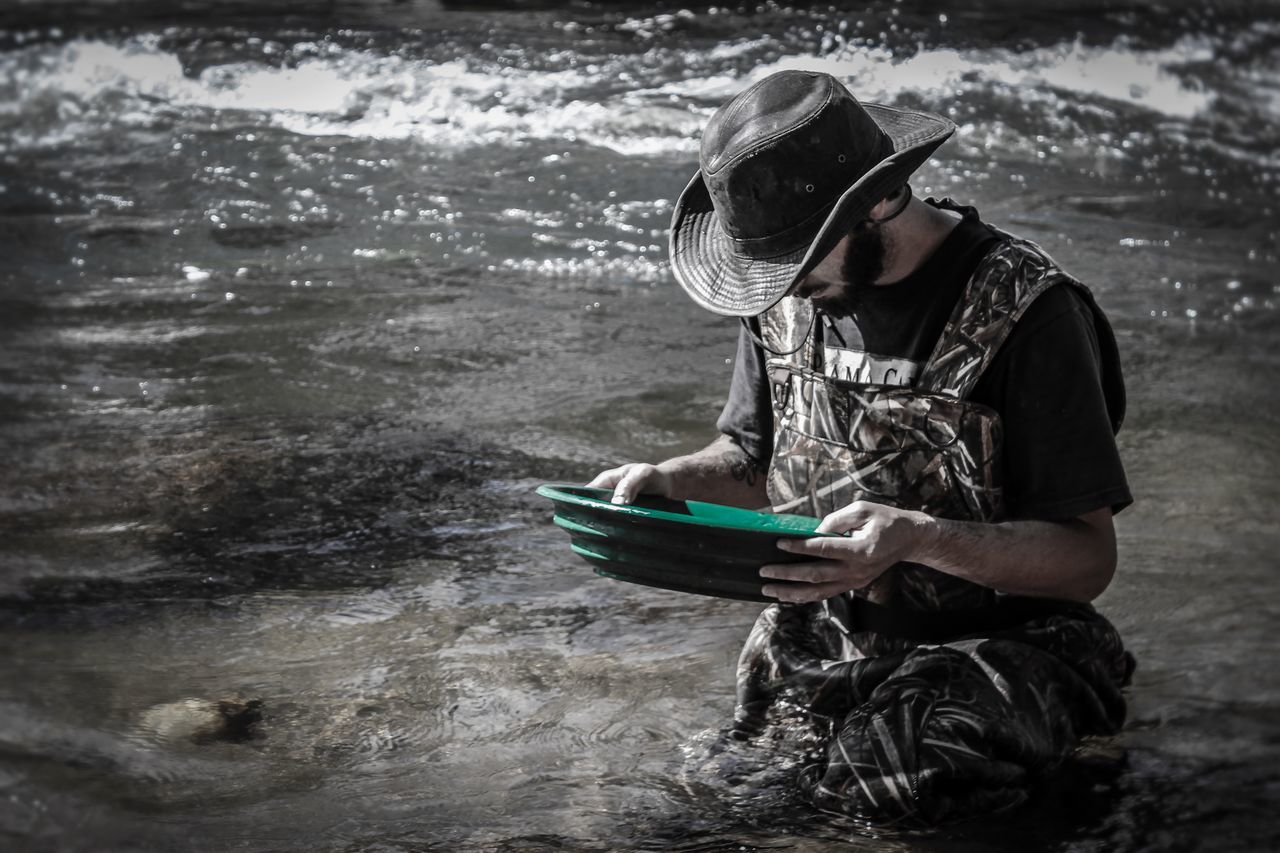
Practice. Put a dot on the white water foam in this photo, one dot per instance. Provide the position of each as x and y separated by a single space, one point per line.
55 92
82 85
1117 73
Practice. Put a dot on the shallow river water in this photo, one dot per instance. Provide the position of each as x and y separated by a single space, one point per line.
300 301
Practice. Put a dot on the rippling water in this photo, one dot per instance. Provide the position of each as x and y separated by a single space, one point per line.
300 301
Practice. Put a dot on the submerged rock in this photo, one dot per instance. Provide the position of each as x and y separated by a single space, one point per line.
202 721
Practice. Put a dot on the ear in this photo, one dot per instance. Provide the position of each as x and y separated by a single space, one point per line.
891 205
887 204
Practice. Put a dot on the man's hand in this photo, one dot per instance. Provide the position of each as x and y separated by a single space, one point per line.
877 536
721 473
632 479
1072 559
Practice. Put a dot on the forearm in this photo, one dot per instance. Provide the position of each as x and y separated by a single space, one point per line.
1072 559
721 472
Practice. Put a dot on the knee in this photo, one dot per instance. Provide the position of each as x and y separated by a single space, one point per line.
913 757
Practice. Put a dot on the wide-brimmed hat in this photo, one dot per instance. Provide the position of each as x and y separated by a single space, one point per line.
788 167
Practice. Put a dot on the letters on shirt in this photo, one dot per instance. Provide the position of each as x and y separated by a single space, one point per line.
867 369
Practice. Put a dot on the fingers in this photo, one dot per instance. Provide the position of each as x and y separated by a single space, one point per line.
608 479
823 547
630 480
813 573
841 567
630 484
803 593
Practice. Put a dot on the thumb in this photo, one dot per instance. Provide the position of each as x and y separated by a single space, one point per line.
846 518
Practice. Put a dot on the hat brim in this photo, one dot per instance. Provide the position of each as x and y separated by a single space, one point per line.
718 277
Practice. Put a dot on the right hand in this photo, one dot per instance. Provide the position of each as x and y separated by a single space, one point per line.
632 479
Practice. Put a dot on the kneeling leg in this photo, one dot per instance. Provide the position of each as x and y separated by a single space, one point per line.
955 731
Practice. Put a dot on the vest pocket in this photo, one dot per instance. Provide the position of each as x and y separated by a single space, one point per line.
891 445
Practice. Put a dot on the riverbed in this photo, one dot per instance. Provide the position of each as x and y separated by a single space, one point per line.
300 302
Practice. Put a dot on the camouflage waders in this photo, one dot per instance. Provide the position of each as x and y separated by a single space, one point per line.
934 697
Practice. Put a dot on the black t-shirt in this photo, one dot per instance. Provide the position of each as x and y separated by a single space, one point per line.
1060 456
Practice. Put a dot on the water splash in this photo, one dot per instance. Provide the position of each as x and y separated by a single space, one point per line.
55 92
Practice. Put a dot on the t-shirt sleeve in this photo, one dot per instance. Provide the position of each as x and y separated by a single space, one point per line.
1060 454
748 414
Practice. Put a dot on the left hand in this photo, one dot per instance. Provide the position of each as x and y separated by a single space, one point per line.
877 537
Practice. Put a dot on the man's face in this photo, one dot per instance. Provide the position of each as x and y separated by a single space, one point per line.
856 262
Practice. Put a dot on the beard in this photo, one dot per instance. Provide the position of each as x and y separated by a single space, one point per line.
862 264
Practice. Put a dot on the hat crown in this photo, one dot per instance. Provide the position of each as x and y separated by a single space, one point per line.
778 156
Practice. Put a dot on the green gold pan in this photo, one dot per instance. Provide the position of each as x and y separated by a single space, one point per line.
688 546
693 514
666 573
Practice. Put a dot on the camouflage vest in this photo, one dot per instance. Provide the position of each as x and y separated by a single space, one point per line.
922 447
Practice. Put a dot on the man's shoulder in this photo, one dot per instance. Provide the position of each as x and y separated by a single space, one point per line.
1018 274
1023 253
1058 306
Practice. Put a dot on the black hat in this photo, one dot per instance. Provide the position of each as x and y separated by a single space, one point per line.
788 167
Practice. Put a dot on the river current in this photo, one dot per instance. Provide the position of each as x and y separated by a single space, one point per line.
300 301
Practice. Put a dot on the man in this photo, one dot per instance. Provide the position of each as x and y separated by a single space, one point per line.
944 396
